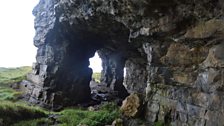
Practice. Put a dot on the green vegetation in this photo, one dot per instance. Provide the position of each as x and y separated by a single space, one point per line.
9 76
105 115
75 116
159 123
35 122
13 75
12 112
16 113
8 94
96 76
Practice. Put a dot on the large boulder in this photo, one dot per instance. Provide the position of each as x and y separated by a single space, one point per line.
131 106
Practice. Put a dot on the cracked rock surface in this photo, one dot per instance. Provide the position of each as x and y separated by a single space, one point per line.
172 51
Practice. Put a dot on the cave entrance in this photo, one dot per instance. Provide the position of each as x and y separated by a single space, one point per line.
65 57
108 75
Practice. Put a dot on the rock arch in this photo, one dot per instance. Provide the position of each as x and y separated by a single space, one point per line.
172 51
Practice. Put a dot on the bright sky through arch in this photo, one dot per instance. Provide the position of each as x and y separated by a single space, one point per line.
17 32
96 63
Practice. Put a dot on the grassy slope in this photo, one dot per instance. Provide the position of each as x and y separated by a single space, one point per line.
9 76
104 116
76 116
13 75
16 113
11 112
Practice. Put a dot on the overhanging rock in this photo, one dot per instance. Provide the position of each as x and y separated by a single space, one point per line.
172 51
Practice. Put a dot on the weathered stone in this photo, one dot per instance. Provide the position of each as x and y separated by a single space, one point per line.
26 87
100 92
181 55
152 111
34 78
113 72
215 57
136 75
184 78
207 29
172 51
131 105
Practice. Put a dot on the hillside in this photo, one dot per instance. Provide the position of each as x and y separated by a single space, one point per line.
15 112
12 75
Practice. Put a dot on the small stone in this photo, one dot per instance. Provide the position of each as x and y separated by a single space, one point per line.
117 122
91 108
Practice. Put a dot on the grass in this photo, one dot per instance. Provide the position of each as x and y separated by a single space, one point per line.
76 116
105 115
15 113
96 76
35 122
159 123
13 75
11 112
8 94
9 76
20 114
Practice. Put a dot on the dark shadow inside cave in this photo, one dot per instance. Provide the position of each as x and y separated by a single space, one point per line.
109 86
63 62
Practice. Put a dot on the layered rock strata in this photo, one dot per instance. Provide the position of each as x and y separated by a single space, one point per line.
172 51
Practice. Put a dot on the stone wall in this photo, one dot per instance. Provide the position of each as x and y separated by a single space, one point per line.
172 51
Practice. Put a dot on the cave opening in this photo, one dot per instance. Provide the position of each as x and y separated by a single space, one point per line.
64 61
96 65
108 75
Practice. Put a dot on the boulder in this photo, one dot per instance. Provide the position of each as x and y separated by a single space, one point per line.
131 105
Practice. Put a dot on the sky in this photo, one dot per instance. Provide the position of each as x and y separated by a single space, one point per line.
96 63
17 32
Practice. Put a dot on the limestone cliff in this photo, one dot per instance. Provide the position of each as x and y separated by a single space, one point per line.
172 50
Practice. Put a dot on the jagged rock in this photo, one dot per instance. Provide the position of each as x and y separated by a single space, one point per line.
172 51
207 29
100 92
182 55
131 105
215 57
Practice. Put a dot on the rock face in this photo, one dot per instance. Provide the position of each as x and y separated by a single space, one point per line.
131 105
172 51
